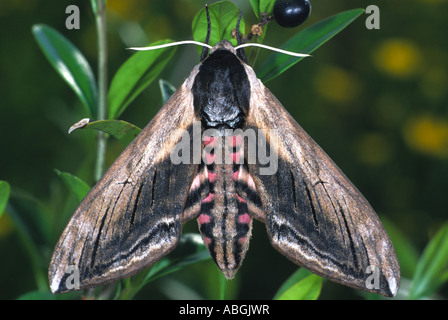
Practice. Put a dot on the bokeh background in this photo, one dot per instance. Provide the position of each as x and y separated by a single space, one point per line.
375 100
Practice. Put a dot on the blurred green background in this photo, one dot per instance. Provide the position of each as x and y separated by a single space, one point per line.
375 100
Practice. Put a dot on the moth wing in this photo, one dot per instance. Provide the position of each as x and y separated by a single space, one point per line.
314 215
132 216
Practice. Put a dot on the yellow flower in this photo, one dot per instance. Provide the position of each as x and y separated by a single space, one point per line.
336 84
130 9
433 1
428 134
6 225
373 149
398 57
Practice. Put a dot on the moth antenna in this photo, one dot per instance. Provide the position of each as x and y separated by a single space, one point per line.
204 53
237 29
240 52
301 55
171 44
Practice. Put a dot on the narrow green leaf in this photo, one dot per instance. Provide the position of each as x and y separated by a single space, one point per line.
38 295
256 7
302 285
75 184
407 254
124 131
306 42
223 16
259 6
300 274
135 75
5 190
29 219
167 90
47 295
432 268
190 250
266 6
69 62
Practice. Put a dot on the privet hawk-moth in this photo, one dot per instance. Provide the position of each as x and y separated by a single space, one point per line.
313 214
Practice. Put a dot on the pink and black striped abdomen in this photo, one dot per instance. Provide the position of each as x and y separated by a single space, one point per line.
224 220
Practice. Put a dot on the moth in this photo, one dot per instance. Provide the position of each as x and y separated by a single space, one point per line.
167 176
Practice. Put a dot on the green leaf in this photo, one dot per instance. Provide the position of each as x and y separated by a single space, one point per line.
306 42
47 295
75 184
135 75
5 190
69 62
256 7
407 254
124 131
190 250
167 90
32 226
259 6
432 268
37 295
223 16
297 276
302 285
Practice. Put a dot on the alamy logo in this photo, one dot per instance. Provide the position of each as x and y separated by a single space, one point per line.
73 20
72 281
373 20
228 146
373 280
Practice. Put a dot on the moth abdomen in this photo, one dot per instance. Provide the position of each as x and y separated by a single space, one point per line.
223 219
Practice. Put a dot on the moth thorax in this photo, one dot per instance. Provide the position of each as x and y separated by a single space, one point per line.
221 90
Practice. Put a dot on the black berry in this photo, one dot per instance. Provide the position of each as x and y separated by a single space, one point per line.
291 13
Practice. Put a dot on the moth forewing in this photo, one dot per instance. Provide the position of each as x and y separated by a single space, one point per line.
132 216
314 215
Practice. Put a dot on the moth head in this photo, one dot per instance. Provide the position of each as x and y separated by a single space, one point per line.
223 45
226 45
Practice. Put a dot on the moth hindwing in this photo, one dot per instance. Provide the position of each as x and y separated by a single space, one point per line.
225 151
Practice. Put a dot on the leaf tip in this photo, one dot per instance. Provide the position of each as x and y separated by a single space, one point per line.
79 125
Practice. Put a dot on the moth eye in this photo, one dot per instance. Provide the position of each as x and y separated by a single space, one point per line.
291 13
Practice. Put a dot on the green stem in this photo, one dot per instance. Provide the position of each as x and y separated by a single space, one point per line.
222 286
100 19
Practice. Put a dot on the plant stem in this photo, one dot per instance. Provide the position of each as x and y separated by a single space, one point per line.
222 286
100 19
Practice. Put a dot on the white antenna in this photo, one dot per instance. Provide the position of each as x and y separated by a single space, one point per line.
301 55
171 45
